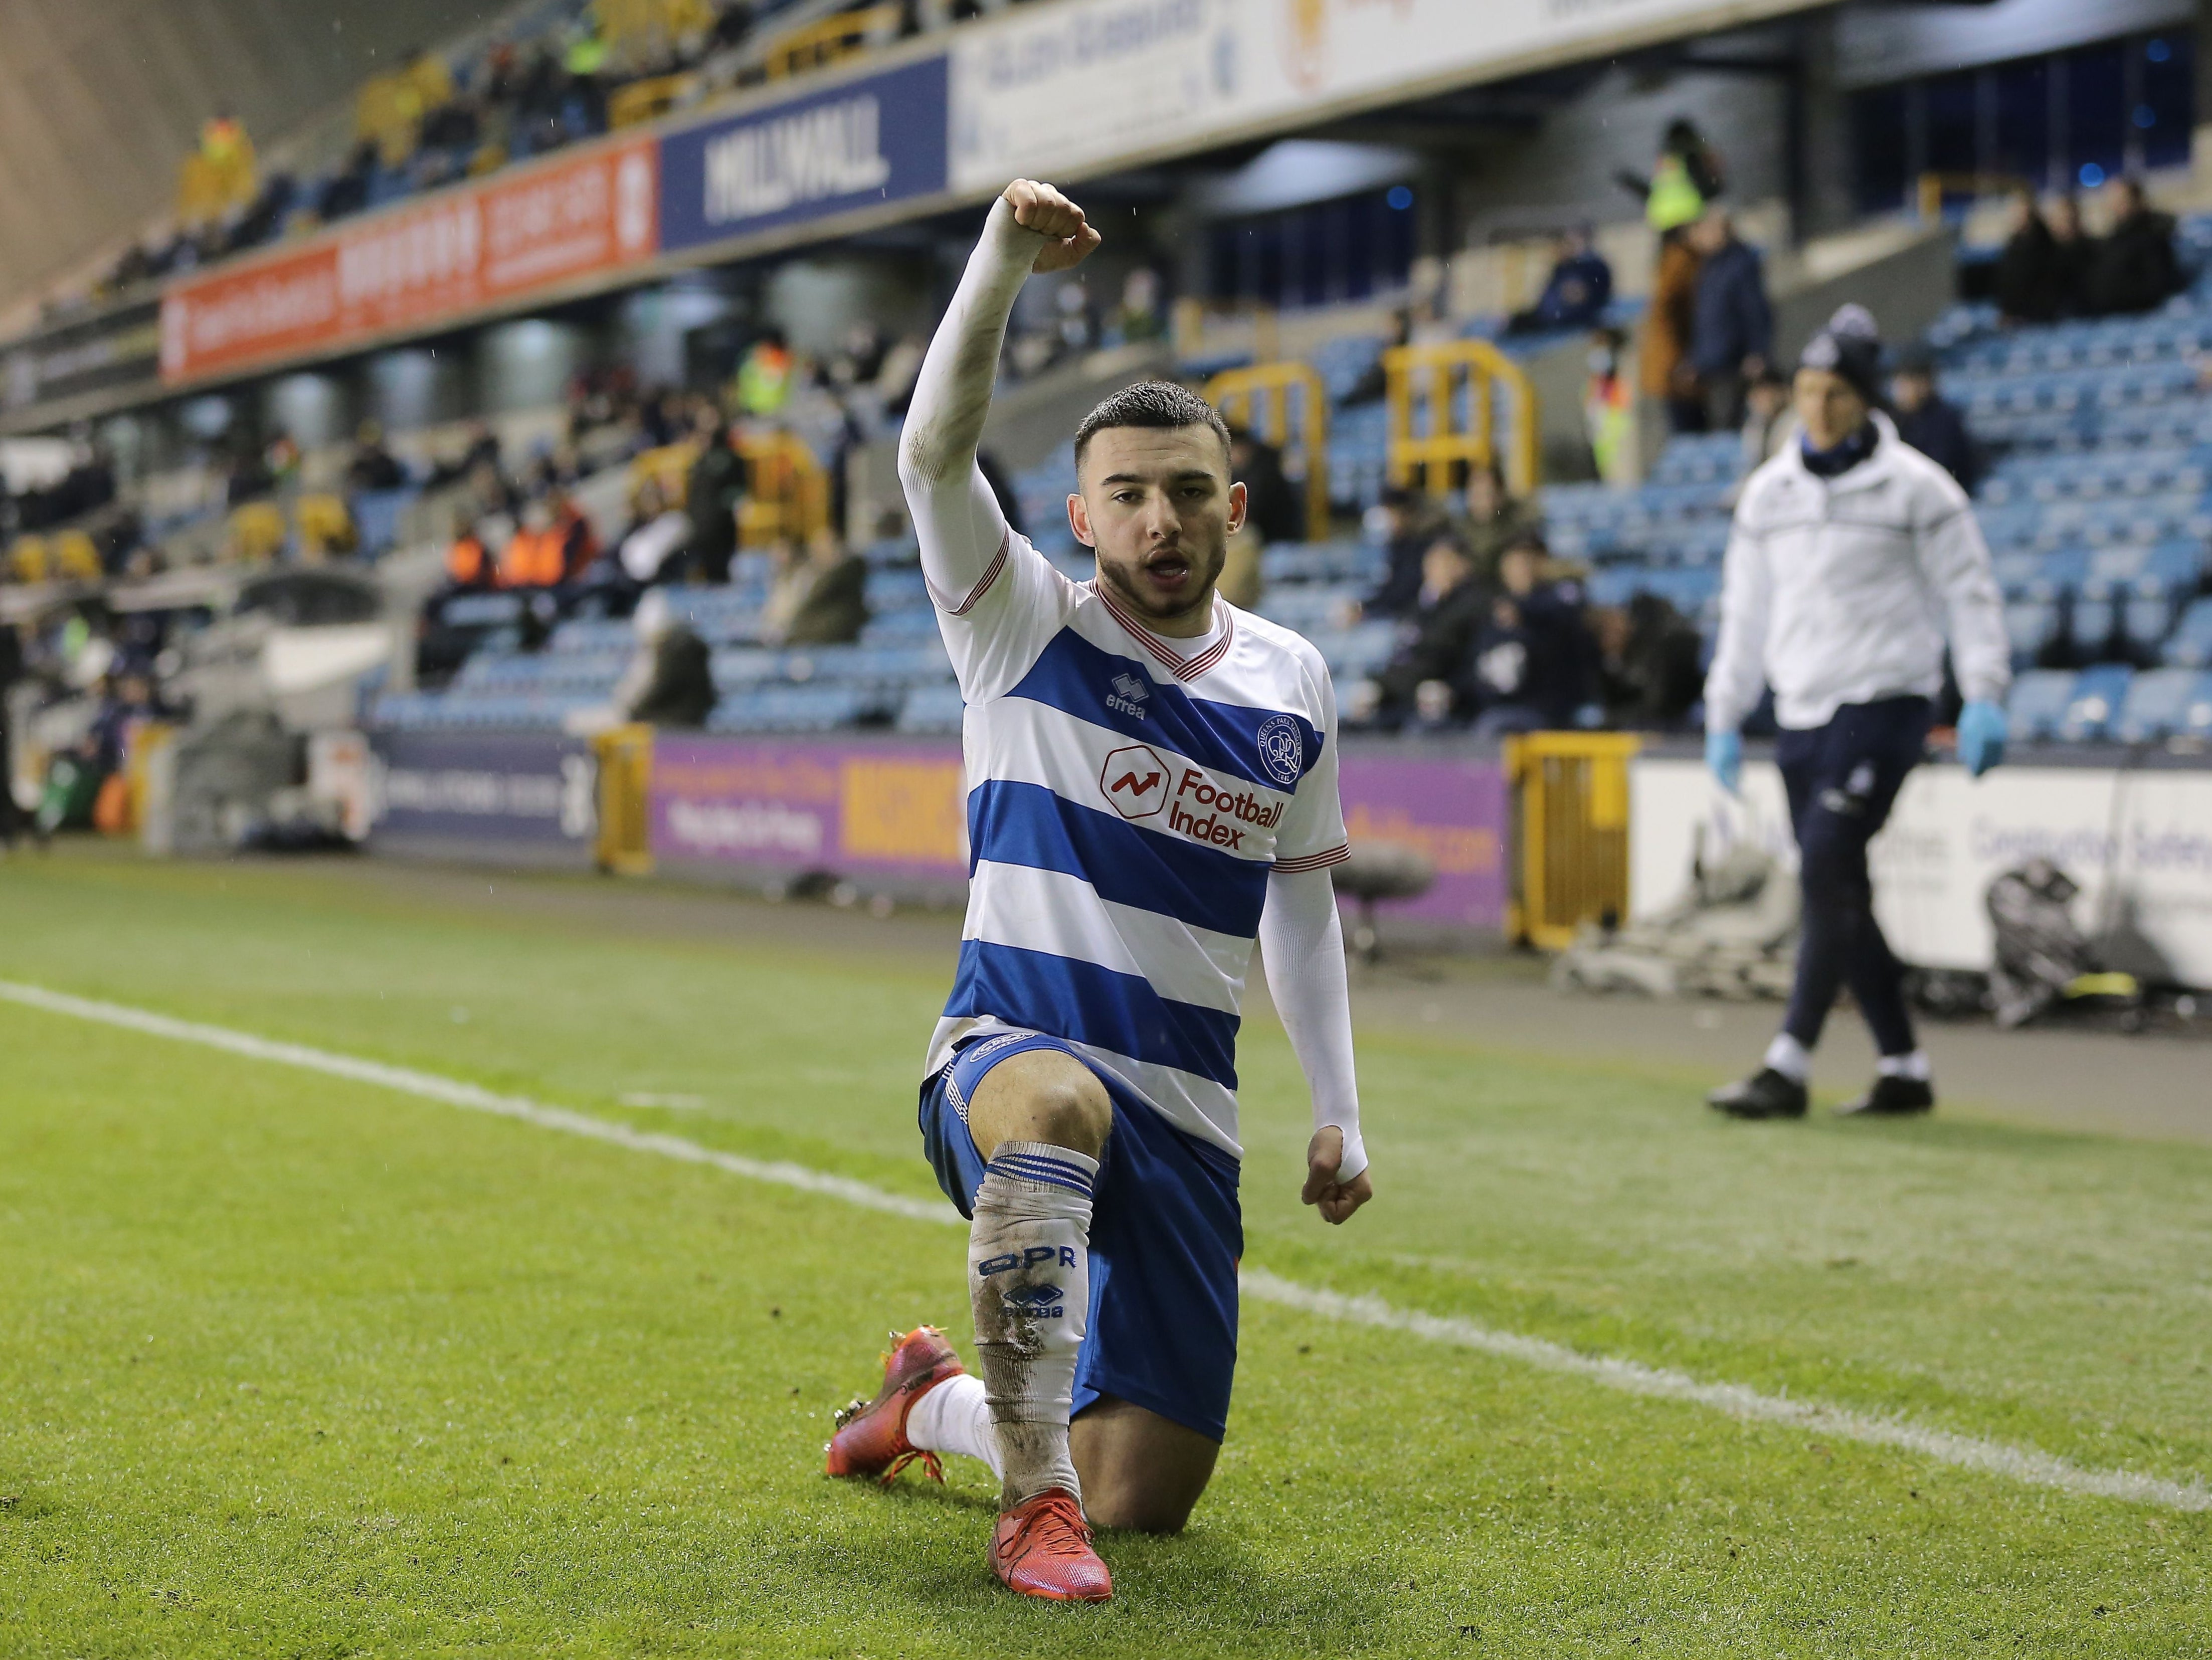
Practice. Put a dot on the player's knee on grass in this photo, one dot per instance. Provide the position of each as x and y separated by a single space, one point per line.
1140 1472
1041 1096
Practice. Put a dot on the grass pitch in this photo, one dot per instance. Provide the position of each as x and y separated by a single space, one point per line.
297 1366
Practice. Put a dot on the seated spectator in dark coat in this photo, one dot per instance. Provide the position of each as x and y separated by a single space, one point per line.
819 596
1648 667
1577 292
670 682
2074 250
1534 661
1929 423
1420 684
2031 281
2133 267
1272 505
711 493
1732 328
1494 519
1408 522
373 467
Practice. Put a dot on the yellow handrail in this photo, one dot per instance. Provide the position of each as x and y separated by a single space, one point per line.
1261 399
1437 379
823 43
1929 190
1570 860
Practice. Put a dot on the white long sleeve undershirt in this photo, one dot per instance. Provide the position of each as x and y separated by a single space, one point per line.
1302 945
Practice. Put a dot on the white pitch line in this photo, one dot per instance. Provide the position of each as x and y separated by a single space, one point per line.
2023 1464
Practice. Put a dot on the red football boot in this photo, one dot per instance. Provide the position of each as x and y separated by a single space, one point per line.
870 1437
1043 1548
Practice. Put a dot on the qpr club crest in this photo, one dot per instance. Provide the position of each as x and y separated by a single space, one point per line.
1282 751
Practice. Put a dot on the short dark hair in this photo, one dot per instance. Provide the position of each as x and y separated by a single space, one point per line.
1160 404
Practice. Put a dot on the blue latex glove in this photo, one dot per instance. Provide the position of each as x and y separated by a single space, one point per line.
1724 754
1983 730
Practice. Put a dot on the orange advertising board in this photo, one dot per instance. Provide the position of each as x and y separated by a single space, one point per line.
425 262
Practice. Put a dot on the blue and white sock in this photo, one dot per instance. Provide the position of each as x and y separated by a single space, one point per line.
1029 1278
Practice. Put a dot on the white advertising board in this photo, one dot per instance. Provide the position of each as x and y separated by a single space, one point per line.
1059 90
2138 842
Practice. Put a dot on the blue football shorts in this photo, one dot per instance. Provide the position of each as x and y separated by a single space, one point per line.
1166 1233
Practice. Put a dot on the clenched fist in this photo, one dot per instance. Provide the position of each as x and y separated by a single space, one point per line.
1069 236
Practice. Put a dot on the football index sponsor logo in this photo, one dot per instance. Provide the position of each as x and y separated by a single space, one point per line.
1135 780
1205 812
1129 696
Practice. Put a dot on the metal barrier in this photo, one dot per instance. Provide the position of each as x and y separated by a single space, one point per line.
624 845
1261 399
1570 828
1438 380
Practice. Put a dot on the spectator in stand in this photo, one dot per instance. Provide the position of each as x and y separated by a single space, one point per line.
1766 418
2074 251
1732 334
818 596
1421 682
1664 361
373 467
764 381
469 565
1648 663
1928 421
711 495
655 539
1274 507
250 479
2029 280
670 680
1405 521
1609 410
1578 291
1534 665
1494 519
1685 175
536 555
2133 267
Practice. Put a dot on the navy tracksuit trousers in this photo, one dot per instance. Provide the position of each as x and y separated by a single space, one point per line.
1843 779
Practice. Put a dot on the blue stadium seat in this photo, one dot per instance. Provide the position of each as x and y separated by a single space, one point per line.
2158 705
2037 703
1355 652
2095 701
2189 645
791 709
376 516
932 709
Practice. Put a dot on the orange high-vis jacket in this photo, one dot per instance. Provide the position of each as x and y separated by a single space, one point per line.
466 562
535 559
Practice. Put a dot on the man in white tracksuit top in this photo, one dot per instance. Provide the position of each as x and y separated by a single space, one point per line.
1852 556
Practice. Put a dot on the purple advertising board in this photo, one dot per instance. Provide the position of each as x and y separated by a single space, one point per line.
890 809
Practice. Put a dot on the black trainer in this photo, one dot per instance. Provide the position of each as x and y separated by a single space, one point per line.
1766 1094
1892 1097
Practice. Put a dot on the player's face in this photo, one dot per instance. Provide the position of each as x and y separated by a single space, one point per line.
1157 506
1829 408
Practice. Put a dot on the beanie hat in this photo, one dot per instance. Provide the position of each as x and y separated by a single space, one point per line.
1850 346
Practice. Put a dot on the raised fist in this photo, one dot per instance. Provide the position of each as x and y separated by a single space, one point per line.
1069 236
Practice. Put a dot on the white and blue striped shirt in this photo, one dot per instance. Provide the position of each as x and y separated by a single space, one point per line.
1127 804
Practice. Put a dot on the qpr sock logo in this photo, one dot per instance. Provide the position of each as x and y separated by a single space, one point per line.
1282 750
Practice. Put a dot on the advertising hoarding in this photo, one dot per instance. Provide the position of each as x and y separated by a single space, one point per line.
518 796
860 143
2138 842
876 807
453 252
